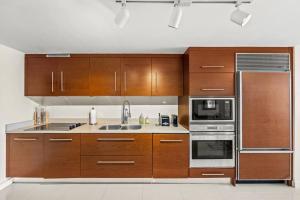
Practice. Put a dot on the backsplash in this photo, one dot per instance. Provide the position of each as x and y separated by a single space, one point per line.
110 111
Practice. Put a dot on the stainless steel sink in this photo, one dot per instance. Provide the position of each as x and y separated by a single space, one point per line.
120 127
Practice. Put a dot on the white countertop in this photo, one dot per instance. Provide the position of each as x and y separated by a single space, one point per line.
147 128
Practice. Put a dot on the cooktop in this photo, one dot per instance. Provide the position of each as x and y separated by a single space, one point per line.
56 127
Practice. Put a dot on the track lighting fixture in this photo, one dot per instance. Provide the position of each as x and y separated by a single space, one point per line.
240 17
122 16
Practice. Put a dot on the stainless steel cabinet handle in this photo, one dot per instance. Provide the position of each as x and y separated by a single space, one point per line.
25 139
52 82
115 139
171 141
212 66
210 89
115 81
62 81
204 174
125 81
60 140
115 162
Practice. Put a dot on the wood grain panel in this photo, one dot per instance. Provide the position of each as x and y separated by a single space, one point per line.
105 76
170 155
24 155
116 144
265 166
62 155
167 77
212 84
136 77
266 110
116 166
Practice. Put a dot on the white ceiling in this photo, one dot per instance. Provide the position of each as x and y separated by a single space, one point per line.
86 26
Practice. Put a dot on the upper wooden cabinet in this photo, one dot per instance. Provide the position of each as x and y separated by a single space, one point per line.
136 77
41 76
73 76
167 75
105 76
211 60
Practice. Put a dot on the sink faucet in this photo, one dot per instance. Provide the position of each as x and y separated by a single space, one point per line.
125 112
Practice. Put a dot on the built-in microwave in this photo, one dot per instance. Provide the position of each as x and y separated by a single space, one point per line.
212 110
212 149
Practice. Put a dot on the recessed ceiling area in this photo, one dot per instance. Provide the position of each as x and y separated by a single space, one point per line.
81 26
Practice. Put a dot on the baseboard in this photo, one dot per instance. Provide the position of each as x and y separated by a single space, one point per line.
5 183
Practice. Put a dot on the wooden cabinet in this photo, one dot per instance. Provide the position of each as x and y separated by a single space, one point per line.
170 155
105 76
113 144
211 60
24 155
167 76
62 155
136 77
212 84
214 173
73 76
41 76
117 166
276 166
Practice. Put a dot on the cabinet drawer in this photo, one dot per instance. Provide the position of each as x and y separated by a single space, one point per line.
219 61
116 144
62 155
212 172
212 84
116 166
24 155
265 166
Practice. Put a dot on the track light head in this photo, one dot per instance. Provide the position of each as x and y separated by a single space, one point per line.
122 16
240 17
176 16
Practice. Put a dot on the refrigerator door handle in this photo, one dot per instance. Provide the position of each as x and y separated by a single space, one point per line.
240 109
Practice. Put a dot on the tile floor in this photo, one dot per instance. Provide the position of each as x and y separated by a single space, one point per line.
51 191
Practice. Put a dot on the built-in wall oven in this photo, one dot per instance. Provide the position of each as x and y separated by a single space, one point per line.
212 132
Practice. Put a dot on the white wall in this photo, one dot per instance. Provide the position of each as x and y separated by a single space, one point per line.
110 111
14 106
297 116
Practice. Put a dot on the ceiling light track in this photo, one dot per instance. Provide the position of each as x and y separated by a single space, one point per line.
199 1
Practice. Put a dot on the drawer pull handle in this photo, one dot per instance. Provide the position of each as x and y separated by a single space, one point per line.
115 162
60 140
171 141
25 139
115 139
210 89
204 174
212 66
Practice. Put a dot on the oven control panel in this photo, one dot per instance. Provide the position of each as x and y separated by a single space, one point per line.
212 127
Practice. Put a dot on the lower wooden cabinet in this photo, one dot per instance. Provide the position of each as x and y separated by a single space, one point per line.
276 166
214 173
24 155
116 166
62 155
170 155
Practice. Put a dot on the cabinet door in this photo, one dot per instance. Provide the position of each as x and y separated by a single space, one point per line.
73 76
62 155
24 155
276 166
41 76
207 60
266 110
105 76
212 84
167 76
136 77
170 155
